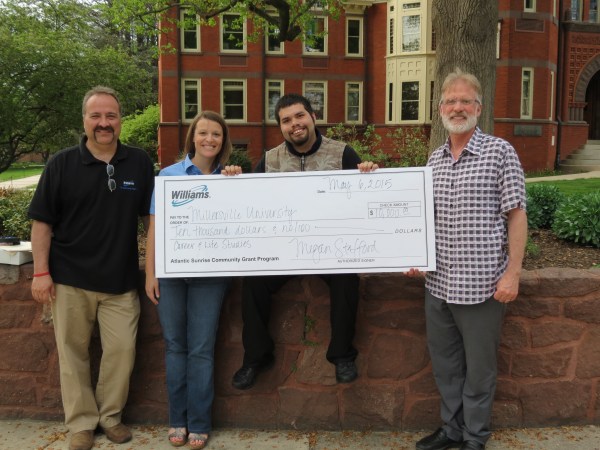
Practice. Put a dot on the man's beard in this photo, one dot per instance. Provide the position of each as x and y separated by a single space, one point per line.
468 125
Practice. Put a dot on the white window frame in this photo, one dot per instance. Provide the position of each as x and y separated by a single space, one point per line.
360 36
410 9
305 47
359 89
182 18
403 101
309 87
526 105
529 5
225 88
187 85
403 45
222 30
270 86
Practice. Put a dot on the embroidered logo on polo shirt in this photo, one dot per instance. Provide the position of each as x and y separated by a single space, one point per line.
129 185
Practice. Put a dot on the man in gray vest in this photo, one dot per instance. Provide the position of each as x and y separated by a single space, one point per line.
304 149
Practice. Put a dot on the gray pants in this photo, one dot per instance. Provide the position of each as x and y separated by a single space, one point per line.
463 344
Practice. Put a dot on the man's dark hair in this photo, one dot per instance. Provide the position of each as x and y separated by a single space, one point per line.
292 99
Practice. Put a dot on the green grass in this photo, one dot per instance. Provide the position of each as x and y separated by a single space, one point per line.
579 186
16 172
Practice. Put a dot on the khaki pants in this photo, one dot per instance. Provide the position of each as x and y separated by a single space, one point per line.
74 313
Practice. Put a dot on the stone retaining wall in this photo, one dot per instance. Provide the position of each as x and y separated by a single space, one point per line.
549 359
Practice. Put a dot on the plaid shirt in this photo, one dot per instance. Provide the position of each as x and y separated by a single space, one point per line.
472 197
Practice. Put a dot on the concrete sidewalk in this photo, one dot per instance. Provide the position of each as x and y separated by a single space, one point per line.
566 176
24 434
20 183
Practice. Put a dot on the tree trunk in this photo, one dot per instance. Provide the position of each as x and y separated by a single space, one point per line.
465 38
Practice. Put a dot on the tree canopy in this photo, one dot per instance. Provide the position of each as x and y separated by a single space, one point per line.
51 53
287 19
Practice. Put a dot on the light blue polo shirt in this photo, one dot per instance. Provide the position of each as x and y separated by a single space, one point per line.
181 168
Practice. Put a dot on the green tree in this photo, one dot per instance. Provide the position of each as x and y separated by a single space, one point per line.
49 59
288 19
141 130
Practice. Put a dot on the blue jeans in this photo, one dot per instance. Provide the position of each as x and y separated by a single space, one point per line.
189 310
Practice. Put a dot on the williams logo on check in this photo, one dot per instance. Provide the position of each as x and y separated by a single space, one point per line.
185 196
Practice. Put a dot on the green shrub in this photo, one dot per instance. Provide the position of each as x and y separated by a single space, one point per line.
411 147
13 213
141 130
578 219
542 201
363 139
240 158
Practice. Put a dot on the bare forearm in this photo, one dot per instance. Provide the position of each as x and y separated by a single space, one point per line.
517 239
41 236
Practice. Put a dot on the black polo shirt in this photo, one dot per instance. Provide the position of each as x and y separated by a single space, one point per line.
94 242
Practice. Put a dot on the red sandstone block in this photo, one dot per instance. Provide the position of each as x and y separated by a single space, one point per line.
551 363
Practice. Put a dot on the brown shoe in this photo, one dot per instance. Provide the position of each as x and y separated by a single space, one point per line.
82 440
118 434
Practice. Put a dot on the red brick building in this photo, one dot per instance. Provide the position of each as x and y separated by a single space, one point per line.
376 66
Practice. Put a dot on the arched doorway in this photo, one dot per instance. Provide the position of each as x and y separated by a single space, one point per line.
591 112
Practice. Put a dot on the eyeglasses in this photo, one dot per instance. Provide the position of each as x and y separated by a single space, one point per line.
462 101
110 171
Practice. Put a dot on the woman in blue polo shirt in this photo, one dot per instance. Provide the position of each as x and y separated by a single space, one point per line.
189 308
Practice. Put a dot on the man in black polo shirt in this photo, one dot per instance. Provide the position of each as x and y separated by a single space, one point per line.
84 239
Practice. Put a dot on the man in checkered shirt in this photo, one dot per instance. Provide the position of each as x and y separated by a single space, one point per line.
481 230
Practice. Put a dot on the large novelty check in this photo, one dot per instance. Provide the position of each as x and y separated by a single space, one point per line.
295 223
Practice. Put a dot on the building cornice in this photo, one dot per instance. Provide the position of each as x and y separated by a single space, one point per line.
357 6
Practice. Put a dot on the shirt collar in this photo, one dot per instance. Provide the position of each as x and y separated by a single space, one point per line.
312 150
473 146
88 158
191 169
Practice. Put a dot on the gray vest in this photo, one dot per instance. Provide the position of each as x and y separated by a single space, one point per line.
328 157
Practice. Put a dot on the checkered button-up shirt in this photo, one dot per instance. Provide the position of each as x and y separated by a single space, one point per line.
472 196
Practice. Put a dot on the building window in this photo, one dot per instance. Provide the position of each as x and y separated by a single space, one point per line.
431 104
529 6
316 93
316 33
526 93
411 33
233 33
273 91
191 99
410 101
354 102
354 42
594 11
390 102
190 31
576 10
391 31
498 36
233 105
272 41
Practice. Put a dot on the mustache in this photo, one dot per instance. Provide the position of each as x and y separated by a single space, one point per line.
109 128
